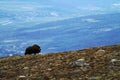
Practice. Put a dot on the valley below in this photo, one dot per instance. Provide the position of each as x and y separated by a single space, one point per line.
62 35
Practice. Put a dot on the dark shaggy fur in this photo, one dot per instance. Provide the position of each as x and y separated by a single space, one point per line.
35 49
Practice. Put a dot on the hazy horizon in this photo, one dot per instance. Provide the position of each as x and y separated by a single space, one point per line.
40 11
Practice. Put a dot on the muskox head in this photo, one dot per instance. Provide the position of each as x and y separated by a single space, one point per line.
35 49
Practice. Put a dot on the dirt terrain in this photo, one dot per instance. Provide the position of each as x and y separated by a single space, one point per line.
97 63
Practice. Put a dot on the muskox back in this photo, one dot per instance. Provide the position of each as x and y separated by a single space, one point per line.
35 49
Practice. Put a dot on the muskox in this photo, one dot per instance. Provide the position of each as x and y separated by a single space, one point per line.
35 49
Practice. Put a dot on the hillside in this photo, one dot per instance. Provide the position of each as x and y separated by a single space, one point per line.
97 63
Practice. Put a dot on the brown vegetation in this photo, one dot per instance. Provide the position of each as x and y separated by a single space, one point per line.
101 63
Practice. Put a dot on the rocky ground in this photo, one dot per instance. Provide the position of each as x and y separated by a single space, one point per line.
98 63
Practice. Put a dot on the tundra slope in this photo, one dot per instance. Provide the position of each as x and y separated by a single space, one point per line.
101 63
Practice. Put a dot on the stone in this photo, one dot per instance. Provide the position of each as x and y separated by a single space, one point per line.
94 78
115 62
99 53
10 55
21 77
80 63
49 69
26 68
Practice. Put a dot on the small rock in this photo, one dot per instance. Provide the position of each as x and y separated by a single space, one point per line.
80 62
49 69
22 76
26 68
94 78
86 64
10 55
99 53
115 62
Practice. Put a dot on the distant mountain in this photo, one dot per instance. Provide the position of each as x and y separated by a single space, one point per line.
64 35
